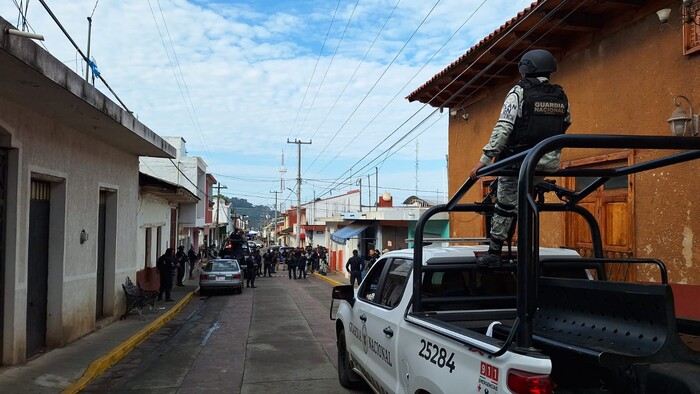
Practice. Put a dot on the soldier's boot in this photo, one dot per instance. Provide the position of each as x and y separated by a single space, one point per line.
492 259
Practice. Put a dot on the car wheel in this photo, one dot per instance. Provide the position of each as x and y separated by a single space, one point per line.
347 377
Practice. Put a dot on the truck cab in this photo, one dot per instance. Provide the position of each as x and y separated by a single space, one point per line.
547 320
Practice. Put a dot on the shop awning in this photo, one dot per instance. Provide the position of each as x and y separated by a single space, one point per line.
347 232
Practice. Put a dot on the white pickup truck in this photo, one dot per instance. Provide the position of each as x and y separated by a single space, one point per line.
430 320
397 352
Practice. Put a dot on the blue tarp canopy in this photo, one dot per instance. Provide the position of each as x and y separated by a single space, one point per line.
348 232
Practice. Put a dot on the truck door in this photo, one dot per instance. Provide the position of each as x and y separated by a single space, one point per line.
383 316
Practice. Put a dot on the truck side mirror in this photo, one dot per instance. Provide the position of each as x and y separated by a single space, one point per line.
343 292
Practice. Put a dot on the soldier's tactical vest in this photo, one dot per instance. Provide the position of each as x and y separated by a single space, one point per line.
543 113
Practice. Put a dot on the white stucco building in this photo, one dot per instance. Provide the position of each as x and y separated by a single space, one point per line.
69 193
190 173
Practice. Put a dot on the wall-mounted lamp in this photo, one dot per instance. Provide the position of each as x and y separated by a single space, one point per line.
459 115
664 15
83 237
682 123
25 34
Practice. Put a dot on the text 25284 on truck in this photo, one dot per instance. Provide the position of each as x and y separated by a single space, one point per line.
545 321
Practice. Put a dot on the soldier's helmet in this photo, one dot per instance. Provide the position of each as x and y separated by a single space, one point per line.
537 61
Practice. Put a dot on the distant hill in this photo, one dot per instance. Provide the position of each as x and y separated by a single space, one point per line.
258 215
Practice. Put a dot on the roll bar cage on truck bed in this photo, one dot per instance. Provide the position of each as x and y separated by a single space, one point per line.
563 299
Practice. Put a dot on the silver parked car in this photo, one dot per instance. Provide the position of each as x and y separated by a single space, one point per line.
221 274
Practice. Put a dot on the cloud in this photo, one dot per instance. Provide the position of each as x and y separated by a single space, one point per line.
239 82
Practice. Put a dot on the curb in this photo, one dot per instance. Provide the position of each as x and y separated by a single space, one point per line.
97 367
327 279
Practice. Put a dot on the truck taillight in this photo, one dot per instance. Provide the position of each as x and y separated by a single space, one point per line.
521 382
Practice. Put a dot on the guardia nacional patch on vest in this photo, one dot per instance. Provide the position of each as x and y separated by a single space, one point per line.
549 108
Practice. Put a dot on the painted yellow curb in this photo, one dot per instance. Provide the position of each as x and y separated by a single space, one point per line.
103 363
327 279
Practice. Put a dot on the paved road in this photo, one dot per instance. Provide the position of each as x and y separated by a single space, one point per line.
277 338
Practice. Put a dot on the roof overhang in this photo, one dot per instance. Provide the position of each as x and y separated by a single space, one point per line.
559 26
35 79
168 191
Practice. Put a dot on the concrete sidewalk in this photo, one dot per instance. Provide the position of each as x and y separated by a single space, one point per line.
70 368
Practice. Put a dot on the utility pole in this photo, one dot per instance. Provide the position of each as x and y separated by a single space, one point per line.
87 68
274 226
376 188
218 207
299 143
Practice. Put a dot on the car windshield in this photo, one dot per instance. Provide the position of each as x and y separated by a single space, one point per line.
223 265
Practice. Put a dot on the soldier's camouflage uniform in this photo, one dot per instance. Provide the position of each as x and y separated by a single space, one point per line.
508 186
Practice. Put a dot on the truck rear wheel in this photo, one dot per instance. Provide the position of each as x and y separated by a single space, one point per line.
347 377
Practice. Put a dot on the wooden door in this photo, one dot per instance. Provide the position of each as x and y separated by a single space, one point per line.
612 206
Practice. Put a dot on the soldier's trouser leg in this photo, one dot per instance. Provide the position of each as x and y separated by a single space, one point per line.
505 211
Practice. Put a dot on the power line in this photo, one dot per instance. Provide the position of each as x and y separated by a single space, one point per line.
330 64
198 126
478 75
93 66
406 84
356 69
374 85
313 73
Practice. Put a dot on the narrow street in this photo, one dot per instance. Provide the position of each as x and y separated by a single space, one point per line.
275 338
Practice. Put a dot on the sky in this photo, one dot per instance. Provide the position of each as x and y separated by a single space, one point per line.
239 79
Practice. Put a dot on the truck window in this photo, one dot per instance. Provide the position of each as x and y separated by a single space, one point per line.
368 290
395 282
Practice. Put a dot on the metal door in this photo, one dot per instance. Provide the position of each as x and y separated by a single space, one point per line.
38 266
101 231
3 211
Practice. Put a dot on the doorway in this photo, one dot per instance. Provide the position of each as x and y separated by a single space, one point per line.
38 266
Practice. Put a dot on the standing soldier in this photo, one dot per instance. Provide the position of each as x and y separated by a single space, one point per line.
533 110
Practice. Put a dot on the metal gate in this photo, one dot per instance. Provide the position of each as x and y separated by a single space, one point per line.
3 221
101 231
38 266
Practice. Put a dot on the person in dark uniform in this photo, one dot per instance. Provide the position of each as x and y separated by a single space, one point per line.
251 272
181 258
192 257
355 265
291 262
301 264
268 257
166 267
534 110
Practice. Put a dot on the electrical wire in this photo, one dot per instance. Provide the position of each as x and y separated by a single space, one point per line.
405 85
88 61
478 75
375 83
195 121
330 64
356 69
25 22
313 73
